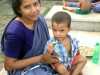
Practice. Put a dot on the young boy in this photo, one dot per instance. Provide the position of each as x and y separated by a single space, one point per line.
64 47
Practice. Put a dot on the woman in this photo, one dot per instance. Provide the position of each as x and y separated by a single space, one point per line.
24 39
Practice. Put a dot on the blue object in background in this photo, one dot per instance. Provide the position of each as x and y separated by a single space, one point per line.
72 4
96 8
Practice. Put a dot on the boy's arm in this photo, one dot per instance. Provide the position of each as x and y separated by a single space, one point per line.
79 66
50 48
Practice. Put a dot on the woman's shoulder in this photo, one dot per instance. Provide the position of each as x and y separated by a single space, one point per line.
15 27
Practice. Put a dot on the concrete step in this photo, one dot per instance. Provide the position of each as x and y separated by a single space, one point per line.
89 22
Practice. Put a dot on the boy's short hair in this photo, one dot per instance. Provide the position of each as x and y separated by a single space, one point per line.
62 17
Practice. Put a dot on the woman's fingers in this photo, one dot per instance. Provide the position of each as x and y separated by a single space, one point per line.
48 58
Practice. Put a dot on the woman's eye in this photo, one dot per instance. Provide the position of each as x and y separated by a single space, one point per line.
28 6
35 4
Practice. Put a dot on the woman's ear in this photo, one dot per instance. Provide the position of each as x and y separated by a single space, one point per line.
19 11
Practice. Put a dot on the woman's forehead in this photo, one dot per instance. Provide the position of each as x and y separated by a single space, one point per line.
28 1
35 0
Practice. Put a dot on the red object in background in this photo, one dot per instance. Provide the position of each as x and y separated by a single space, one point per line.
65 4
71 10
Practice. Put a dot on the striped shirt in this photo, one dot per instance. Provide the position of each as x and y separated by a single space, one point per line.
62 53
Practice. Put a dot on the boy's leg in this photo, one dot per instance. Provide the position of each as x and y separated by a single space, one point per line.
77 67
61 69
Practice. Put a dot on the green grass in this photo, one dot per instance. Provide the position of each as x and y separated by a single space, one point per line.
46 11
1 58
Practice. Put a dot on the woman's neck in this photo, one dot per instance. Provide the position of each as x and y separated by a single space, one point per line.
28 23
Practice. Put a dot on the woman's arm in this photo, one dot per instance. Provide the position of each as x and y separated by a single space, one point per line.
12 63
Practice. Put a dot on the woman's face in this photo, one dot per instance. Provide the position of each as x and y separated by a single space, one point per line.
30 9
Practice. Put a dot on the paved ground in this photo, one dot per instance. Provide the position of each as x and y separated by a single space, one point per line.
1 66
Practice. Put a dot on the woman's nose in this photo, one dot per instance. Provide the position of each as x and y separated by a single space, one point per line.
35 8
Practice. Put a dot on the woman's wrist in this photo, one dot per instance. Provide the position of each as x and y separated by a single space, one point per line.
45 58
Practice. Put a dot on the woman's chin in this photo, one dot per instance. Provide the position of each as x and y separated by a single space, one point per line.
33 19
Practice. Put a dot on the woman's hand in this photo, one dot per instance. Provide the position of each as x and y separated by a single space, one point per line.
49 58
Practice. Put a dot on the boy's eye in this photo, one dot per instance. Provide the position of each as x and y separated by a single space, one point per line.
62 30
54 30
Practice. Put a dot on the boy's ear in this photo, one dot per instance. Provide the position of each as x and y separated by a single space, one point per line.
70 29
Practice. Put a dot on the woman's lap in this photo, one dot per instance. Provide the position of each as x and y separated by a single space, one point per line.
40 70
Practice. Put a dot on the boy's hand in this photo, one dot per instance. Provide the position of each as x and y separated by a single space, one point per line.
50 48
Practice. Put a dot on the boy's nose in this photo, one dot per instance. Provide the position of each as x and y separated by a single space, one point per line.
58 33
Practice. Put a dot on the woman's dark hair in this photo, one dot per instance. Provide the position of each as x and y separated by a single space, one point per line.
62 17
16 6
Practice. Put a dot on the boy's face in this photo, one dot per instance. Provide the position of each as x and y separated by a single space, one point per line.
60 30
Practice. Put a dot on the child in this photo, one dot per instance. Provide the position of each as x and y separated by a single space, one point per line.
64 47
